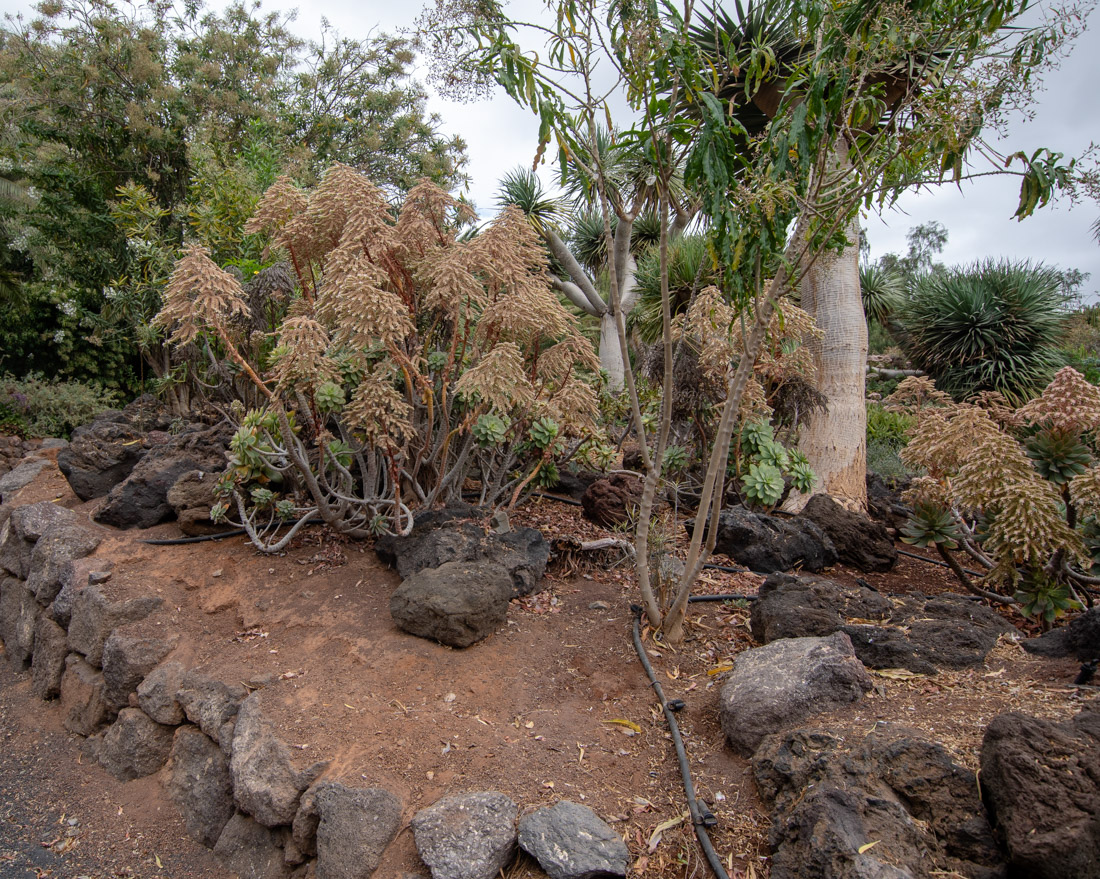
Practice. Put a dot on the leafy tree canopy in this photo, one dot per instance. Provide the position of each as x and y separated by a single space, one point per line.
197 110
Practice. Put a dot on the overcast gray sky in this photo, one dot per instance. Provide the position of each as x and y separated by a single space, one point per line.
501 136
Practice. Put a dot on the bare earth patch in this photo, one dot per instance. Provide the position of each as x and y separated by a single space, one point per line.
536 711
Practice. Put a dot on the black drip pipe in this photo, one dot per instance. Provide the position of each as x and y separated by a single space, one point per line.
701 816
179 541
942 564
729 596
729 569
221 535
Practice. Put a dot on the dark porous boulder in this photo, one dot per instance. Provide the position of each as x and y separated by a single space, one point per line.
953 631
21 532
191 497
55 549
466 836
251 851
860 542
354 826
574 485
799 606
19 614
431 547
211 704
767 544
918 634
775 687
51 646
448 535
1041 782
458 603
100 455
390 546
266 782
141 500
891 806
199 784
612 501
1083 635
83 704
571 842
523 553
884 503
129 654
135 745
886 647
937 791
74 577
94 616
1081 639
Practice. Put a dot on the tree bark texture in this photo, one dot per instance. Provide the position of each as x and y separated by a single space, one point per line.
835 441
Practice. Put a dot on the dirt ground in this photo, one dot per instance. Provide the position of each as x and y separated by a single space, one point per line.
554 706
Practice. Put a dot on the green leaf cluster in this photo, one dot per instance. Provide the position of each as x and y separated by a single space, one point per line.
128 129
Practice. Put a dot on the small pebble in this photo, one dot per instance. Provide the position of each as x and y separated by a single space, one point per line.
217 573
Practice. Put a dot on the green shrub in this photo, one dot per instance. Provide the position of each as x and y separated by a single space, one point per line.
48 407
887 434
884 458
689 269
887 426
994 326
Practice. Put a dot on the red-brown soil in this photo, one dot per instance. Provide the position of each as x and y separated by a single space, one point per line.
530 712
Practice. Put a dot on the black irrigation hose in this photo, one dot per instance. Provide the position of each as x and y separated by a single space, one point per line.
942 564
701 816
729 596
179 541
221 535
729 569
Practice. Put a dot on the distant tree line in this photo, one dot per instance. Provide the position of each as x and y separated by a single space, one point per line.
126 130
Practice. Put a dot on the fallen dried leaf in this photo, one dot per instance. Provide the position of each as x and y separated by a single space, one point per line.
629 724
655 837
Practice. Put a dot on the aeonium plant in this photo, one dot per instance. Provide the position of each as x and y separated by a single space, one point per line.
411 365
1017 490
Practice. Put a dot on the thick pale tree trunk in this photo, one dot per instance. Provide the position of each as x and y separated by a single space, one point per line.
611 354
835 441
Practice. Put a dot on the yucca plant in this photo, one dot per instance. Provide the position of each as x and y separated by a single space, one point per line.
883 292
994 326
522 188
690 269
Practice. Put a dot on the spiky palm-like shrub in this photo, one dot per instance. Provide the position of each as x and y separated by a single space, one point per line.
994 326
409 360
690 269
1028 475
522 188
883 292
